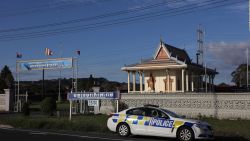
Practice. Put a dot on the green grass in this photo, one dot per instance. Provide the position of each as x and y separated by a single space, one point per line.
87 123
97 123
230 127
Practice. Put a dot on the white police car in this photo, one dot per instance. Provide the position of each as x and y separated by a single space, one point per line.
154 121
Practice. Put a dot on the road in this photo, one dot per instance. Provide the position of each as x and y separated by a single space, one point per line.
11 134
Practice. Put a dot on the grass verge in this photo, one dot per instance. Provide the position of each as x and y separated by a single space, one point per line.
87 123
97 123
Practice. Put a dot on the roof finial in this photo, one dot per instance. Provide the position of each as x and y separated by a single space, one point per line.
161 40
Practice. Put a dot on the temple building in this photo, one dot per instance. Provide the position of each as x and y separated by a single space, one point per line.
170 70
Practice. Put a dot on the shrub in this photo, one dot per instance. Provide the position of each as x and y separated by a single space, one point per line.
48 106
26 109
122 106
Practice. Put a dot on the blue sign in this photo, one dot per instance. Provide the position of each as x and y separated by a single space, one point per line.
60 63
92 95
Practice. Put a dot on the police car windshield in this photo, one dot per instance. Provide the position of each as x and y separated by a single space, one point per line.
172 114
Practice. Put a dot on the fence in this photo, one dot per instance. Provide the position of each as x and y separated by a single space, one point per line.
223 105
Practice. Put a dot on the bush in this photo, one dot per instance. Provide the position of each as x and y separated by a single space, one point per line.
26 109
122 106
48 106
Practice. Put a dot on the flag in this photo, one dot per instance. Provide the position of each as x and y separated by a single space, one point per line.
19 55
78 52
48 51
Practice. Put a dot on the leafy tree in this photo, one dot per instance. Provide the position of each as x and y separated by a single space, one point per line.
48 106
239 75
90 82
6 79
6 76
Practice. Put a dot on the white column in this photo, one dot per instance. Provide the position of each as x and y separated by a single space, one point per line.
187 82
128 81
213 83
134 81
192 83
168 82
70 109
140 73
182 80
209 83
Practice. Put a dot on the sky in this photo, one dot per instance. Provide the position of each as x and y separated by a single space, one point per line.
112 33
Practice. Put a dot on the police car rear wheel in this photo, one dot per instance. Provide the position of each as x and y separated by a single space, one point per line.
123 130
185 134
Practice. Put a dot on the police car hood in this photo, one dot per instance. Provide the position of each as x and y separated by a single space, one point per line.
191 121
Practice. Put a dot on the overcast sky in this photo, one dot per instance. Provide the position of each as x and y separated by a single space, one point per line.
111 33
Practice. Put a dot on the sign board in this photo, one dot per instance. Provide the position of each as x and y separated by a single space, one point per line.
59 63
93 102
92 95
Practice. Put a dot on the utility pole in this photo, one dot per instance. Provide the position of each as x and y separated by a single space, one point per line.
199 54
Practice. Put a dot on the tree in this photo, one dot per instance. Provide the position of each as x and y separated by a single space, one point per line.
239 75
6 79
48 106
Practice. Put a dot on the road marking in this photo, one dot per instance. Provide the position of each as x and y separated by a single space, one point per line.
63 134
38 133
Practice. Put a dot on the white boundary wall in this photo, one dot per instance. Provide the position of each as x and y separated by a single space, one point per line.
223 105
5 100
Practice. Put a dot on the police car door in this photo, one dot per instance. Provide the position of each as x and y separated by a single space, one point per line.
159 123
136 119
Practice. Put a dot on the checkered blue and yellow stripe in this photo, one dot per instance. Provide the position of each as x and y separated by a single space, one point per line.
148 121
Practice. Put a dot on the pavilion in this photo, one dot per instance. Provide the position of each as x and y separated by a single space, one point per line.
170 70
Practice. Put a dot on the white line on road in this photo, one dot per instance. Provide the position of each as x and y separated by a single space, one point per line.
62 134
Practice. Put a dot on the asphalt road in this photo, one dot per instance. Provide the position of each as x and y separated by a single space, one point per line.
11 134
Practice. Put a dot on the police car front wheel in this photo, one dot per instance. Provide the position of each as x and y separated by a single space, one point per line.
185 134
123 130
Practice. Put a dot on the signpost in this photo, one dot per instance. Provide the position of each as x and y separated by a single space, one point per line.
93 102
42 65
93 98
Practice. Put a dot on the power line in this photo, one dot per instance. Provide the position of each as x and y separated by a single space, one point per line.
47 6
171 12
118 13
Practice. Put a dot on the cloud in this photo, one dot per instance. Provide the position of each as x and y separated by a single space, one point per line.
232 54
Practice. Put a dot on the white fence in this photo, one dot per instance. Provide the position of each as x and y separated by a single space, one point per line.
224 105
5 100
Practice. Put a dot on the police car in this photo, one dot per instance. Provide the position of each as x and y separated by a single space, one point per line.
153 121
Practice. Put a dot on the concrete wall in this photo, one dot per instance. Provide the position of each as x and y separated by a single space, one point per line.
225 105
5 100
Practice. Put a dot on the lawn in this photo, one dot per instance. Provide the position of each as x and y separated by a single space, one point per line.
230 127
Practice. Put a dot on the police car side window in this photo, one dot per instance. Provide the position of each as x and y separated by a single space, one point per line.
136 111
157 114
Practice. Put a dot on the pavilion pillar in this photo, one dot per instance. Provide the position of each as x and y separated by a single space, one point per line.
128 81
209 83
168 80
212 83
192 83
182 79
140 74
133 80
187 82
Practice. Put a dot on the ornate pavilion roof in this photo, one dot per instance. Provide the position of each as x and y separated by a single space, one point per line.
167 56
